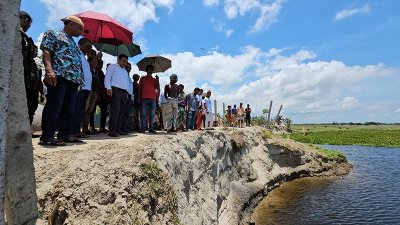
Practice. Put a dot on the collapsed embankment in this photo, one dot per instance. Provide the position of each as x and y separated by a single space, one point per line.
210 177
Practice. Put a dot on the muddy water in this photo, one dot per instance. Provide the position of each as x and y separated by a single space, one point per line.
370 194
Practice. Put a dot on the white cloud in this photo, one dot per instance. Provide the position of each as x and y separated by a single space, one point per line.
38 42
398 110
210 2
298 81
350 103
135 12
221 27
352 11
229 32
240 7
268 16
268 12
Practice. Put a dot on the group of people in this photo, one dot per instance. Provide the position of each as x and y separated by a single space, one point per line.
238 116
76 85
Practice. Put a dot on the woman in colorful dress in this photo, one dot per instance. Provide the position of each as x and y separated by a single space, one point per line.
181 120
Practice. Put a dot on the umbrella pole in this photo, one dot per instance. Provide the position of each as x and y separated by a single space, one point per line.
101 28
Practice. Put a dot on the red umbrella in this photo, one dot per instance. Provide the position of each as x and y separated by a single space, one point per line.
101 28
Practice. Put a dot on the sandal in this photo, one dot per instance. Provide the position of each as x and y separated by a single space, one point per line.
52 142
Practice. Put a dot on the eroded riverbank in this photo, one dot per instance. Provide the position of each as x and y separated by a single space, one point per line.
368 195
212 177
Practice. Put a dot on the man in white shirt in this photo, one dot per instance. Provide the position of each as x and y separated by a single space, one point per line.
116 83
209 114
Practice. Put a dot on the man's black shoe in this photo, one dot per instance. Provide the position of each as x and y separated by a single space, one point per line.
113 134
121 132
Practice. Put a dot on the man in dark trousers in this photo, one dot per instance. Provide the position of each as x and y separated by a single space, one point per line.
148 86
32 77
136 104
63 77
117 84
102 101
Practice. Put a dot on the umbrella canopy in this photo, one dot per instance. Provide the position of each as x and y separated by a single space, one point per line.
128 49
161 64
101 28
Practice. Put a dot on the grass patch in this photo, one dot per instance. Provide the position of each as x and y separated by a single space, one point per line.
158 192
380 136
336 155
266 134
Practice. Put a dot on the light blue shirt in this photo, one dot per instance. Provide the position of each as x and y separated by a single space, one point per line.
116 76
130 87
87 74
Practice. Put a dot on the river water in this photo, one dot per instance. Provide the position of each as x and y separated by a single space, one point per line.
370 194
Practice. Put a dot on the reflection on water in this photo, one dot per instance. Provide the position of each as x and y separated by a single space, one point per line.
368 195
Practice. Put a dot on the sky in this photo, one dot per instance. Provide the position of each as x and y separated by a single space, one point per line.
325 61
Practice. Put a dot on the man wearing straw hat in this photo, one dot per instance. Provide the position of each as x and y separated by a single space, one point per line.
63 77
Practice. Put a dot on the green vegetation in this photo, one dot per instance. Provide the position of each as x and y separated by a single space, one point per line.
336 155
367 135
266 134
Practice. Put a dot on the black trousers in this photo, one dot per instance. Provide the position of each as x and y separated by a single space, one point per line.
117 108
79 112
103 105
59 109
247 119
32 97
127 120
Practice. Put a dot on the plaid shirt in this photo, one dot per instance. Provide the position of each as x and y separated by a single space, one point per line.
65 55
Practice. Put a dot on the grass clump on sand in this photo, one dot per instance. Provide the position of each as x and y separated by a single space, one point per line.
266 134
161 196
336 155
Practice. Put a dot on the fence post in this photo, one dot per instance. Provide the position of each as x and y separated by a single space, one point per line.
223 110
279 112
269 113
215 114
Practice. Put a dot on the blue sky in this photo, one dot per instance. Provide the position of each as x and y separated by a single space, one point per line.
323 60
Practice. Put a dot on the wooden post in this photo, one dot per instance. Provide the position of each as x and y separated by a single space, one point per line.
215 114
279 112
269 113
223 110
